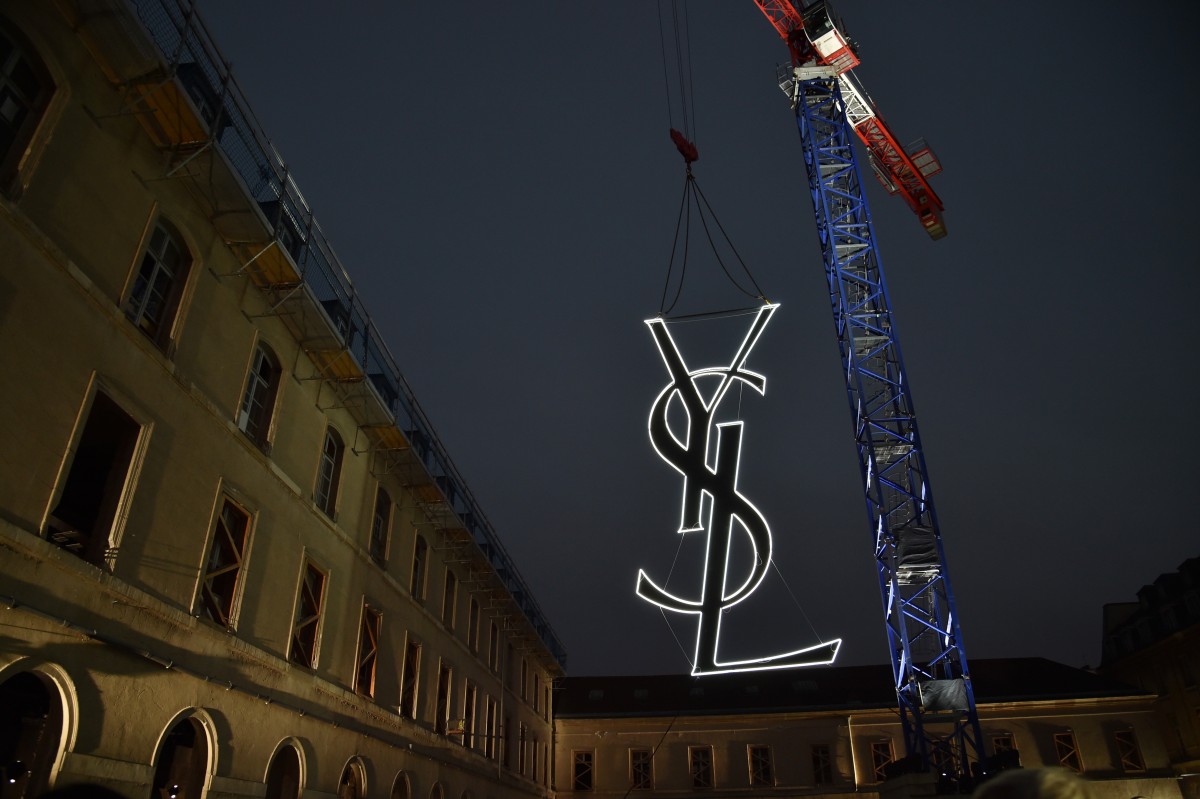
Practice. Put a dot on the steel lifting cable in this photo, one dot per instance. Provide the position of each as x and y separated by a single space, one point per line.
692 194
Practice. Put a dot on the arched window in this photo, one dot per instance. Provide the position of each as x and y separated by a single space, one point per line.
182 762
258 401
153 302
417 584
436 791
381 525
283 777
329 472
25 89
352 784
31 720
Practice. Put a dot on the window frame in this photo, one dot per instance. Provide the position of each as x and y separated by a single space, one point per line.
583 779
381 526
300 624
470 703
26 145
410 679
203 599
138 296
821 757
116 502
329 472
260 390
418 580
1066 749
641 774
366 659
449 599
883 754
761 764
1129 751
700 767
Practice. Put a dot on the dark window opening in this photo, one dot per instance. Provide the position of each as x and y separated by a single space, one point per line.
581 779
822 764
25 90
82 521
1068 751
762 770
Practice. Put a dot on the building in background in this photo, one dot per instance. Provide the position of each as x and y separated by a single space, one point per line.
1154 643
835 731
235 559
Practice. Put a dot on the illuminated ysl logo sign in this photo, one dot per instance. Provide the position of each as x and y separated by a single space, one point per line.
711 501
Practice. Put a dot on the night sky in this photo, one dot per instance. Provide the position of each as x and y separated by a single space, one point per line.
498 181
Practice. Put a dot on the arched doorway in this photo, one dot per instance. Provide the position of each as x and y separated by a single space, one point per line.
401 788
182 762
283 777
31 722
352 785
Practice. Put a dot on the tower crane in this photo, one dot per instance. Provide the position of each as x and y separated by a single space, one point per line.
929 665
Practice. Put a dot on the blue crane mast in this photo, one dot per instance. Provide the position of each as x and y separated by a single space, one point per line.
929 664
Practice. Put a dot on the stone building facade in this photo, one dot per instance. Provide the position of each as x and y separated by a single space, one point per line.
234 558
835 731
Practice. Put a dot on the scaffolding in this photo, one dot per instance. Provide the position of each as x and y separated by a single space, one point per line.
182 92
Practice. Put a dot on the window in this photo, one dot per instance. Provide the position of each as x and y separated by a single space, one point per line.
442 706
473 625
1068 751
85 518
308 616
822 764
546 706
410 680
536 691
329 473
417 583
381 524
700 763
524 680
158 285
368 650
881 758
469 698
505 738
581 770
641 772
493 647
1128 750
941 756
25 89
762 771
226 555
533 758
489 728
449 599
522 735
258 402
1005 749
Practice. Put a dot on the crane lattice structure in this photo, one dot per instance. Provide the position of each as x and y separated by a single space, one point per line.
932 681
